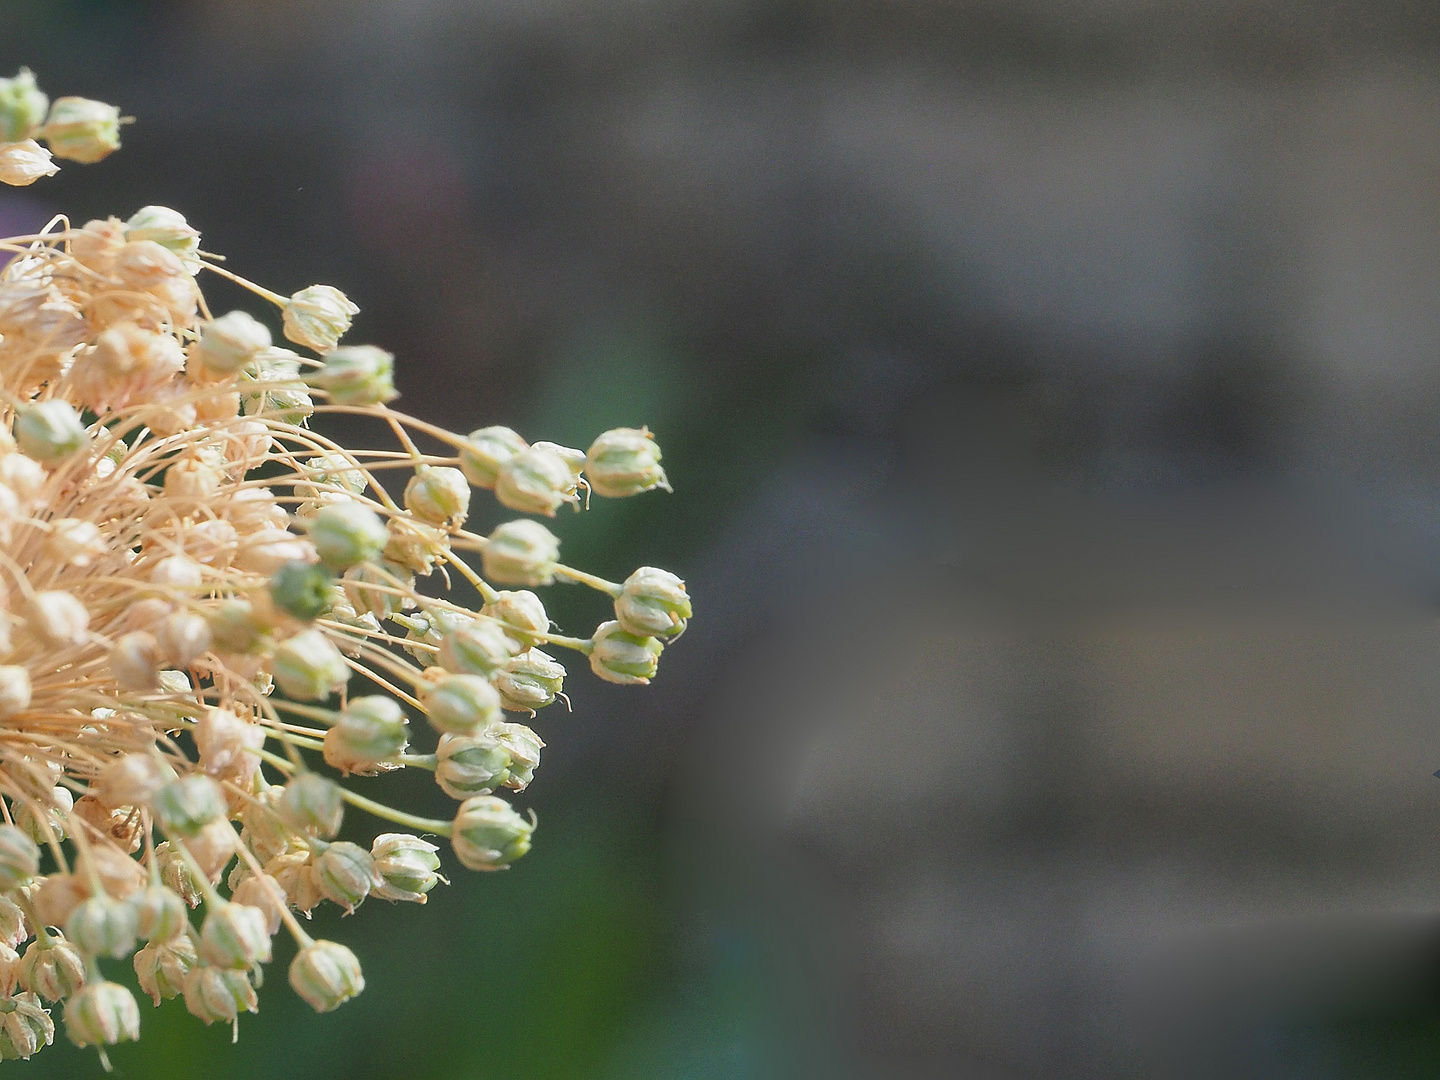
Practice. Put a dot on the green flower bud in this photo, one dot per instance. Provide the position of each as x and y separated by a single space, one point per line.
102 926
480 648
309 667
215 993
312 804
521 552
102 1014
624 461
14 689
52 968
346 533
653 603
524 747
371 589
536 481
235 936
232 341
159 913
49 431
356 375
440 496
521 613
406 865
318 316
25 1027
19 858
187 805
175 872
82 130
235 627
22 163
469 765
573 458
326 974
618 656
170 230
47 822
346 874
305 590
460 704
161 966
430 628
22 107
485 451
370 729
489 834
530 681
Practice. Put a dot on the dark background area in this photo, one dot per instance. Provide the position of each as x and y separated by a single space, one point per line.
1050 394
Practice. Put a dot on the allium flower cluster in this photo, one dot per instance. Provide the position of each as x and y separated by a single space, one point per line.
211 614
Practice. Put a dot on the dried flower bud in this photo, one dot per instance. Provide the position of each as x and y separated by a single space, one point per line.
485 451
135 661
369 730
521 552
56 897
183 637
461 704
103 926
263 893
49 431
22 163
169 229
347 533
22 475
346 874
159 913
618 656
653 603
177 875
19 858
309 667
535 481
216 993
489 834
415 545
162 965
530 681
102 1014
178 572
25 1028
82 130
186 805
13 928
52 968
131 780
213 848
521 613
440 496
331 471
312 804
230 342
407 867
326 974
318 316
480 648
428 628
624 461
356 375
234 936
227 745
304 590
22 107
14 690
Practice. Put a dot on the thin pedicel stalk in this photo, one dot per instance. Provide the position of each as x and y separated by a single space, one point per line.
182 553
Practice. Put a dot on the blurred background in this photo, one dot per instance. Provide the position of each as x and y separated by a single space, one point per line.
1050 393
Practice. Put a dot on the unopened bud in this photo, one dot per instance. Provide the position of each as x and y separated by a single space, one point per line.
179 572
521 552
407 867
461 704
22 163
227 744
312 804
102 1014
430 628
187 805
131 780
217 993
47 821
524 747
370 729
25 1028
183 637
19 858
103 926
346 874
59 619
135 660
356 375
331 471
415 545
262 892
624 461
159 913
485 451
469 765
304 590
530 681
309 667
14 690
479 648
49 431
653 603
440 496
234 936
318 316
232 341
489 834
52 968
618 656
326 974
177 874
22 107
535 481
347 533
82 130
169 229
162 965
521 613
235 627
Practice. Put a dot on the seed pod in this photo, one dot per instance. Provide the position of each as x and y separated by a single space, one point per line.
326 974
346 533
406 865
489 834
485 451
214 993
79 129
318 316
25 1028
304 590
346 874
479 648
521 613
461 704
521 552
161 966
618 656
309 803
530 681
653 603
186 805
623 462
356 375
535 481
49 431
440 496
52 968
234 936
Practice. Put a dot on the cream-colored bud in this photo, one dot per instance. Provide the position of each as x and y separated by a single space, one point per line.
440 496
624 461
480 648
183 637
25 1028
232 341
530 681
13 928
461 704
356 375
536 481
96 245
49 431
252 509
346 874
370 729
145 266
135 661
654 603
193 479
264 832
79 129
228 744
236 627
159 913
521 552
326 974
415 545
162 965
59 619
485 451
22 475
103 926
123 825
131 780
521 613
75 541
489 834
169 229
217 993
22 163
52 968
469 765
234 936
177 875
407 867
312 804
309 666
266 550
22 107
328 472
213 847
179 572
428 628
14 690
19 858
186 805
56 897
11 513
212 543
618 656
318 316
145 614
295 873
263 893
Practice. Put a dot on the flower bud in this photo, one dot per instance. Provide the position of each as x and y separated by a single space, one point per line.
372 589
330 471
521 613
186 805
263 893
312 804
213 848
55 896
406 866
461 704
415 545
23 475
624 461
162 965
235 627
159 913
234 936
82 130
177 875
573 458
318 316
653 603
49 431
535 481
215 993
524 747
370 729
119 875
440 496
530 681
232 341
347 533
102 1014
489 834
485 451
183 637
59 619
13 929
326 974
309 667
135 661
22 163
521 552
227 745
356 375
469 765
131 780
479 648
304 590
295 873
618 656
178 572
22 107
14 690
52 968
429 627
102 926
75 541
25 1028
168 228
47 822
19 858
346 874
